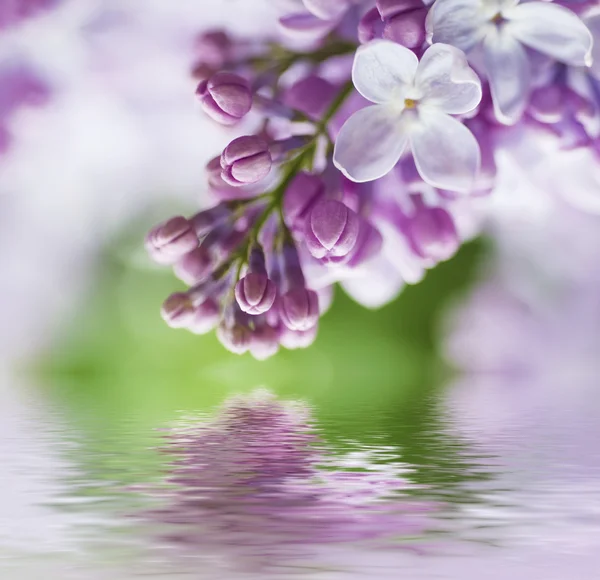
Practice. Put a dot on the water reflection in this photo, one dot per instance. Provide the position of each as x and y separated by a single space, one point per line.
256 488
263 488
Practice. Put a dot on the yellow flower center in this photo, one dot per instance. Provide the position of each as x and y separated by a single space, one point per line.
410 103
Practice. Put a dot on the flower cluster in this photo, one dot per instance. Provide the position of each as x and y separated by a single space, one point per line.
256 484
366 151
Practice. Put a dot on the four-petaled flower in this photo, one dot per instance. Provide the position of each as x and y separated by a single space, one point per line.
498 33
414 102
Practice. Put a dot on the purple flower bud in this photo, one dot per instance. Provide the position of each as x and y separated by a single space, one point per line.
206 220
370 26
234 338
432 233
225 97
292 275
367 246
407 28
219 188
168 242
310 95
205 317
213 47
178 310
331 230
293 339
303 193
255 293
264 342
246 160
195 266
299 308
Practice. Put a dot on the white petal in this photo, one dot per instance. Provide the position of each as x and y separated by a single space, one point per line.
461 23
446 153
553 30
370 143
593 24
376 284
326 9
445 80
508 71
383 71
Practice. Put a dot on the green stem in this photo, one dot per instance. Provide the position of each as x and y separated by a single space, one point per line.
335 105
293 166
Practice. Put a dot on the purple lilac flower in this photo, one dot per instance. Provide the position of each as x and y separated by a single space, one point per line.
500 33
366 157
256 483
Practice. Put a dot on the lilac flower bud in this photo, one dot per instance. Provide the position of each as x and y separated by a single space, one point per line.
234 338
212 49
205 317
168 242
407 28
255 293
293 339
432 233
291 275
194 266
331 230
370 26
246 160
264 342
225 97
402 21
219 188
178 310
310 95
303 193
206 220
367 246
299 308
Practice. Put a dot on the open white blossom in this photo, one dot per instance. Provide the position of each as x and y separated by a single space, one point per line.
414 102
499 32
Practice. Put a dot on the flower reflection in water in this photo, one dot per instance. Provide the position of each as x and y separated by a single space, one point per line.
254 487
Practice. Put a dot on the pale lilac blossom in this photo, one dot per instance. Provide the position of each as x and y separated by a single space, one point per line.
497 34
414 102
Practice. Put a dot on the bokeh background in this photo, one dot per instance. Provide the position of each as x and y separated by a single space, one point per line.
481 381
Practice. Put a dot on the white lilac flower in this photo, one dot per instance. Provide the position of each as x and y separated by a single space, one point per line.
498 33
414 102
